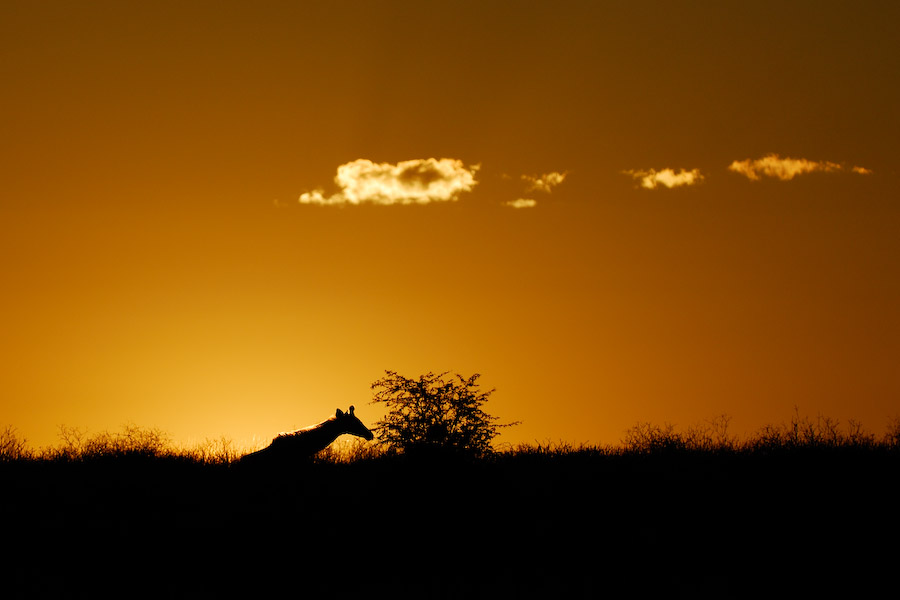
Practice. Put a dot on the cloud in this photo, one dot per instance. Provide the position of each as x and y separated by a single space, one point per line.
862 170
784 169
667 177
536 183
419 181
544 183
522 203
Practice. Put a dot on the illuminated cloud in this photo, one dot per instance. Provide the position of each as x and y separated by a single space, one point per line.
536 183
419 181
544 183
667 177
784 169
522 203
862 170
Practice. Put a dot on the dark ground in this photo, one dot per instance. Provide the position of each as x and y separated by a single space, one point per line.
525 526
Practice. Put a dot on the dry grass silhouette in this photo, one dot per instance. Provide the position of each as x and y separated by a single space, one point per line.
799 507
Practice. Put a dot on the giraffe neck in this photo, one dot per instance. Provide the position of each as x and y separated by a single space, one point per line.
312 439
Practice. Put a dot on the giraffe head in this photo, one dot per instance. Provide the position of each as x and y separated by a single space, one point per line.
352 425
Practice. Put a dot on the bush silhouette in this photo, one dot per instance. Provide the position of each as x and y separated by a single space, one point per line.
435 413
12 446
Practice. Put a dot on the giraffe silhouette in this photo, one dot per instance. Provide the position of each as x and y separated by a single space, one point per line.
306 442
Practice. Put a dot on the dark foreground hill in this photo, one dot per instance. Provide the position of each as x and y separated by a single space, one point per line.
524 525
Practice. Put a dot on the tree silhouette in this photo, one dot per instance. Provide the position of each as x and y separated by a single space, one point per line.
434 413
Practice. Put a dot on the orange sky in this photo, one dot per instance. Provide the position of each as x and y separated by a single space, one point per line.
615 211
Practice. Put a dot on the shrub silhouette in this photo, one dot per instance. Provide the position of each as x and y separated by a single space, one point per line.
649 438
132 441
435 413
12 447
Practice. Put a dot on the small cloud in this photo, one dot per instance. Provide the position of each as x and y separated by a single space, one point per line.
666 177
522 203
536 183
315 197
784 169
544 183
862 170
419 181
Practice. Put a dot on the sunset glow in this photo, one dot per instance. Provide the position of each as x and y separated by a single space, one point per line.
229 218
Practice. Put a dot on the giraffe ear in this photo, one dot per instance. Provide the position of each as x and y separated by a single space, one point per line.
339 413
